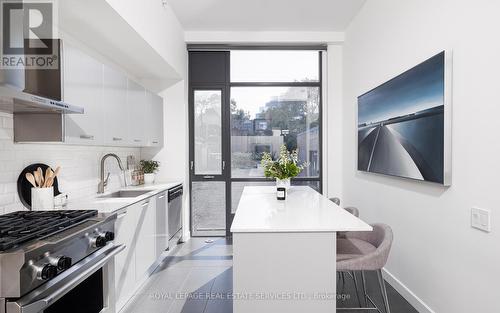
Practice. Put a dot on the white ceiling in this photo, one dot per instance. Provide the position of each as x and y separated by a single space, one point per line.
265 15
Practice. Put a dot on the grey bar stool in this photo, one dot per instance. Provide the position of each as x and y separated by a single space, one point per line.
335 200
366 251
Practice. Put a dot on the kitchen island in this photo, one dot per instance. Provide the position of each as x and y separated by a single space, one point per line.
284 252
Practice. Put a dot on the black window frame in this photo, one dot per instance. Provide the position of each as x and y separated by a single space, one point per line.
226 86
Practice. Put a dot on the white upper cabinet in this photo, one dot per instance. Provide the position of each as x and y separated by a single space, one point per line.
83 87
154 120
114 102
118 111
137 110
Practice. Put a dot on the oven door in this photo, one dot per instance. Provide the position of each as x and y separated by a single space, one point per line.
84 288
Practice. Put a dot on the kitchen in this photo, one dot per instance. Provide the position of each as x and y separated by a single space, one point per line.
241 156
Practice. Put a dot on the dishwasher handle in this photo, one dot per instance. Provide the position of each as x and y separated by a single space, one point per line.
175 193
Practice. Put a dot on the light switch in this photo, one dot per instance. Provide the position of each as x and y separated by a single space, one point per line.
480 219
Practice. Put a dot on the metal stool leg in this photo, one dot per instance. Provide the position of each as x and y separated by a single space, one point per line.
365 293
356 286
383 290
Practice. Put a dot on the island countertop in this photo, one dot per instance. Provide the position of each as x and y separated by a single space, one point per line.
304 210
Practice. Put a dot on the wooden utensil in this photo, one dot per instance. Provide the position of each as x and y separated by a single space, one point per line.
38 178
31 179
56 172
48 175
53 176
49 182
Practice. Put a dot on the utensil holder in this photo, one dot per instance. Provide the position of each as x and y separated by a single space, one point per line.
42 198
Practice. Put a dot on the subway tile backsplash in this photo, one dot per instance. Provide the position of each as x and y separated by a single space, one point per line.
79 175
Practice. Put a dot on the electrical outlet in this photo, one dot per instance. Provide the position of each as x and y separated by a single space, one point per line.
481 219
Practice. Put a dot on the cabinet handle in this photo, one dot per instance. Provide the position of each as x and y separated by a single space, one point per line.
208 177
137 140
162 196
119 216
89 137
155 142
145 204
117 139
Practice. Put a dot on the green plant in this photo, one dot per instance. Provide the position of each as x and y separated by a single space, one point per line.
286 166
149 166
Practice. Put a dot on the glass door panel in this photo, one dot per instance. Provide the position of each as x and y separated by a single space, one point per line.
208 132
208 208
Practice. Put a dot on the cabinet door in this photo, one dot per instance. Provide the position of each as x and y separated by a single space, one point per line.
146 246
114 96
125 233
154 120
83 87
136 103
161 224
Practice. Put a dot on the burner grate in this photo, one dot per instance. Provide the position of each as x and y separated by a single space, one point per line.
23 226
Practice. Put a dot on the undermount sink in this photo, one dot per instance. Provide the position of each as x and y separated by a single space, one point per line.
125 194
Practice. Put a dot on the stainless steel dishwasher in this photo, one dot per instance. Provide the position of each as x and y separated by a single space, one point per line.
175 215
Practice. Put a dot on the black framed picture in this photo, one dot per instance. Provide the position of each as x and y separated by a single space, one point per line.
404 125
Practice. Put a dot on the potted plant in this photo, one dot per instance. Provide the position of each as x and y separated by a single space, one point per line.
149 167
284 168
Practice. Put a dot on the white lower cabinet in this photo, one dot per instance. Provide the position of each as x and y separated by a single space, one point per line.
126 234
146 246
161 224
142 227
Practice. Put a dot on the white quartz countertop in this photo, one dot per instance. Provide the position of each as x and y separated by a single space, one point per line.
304 210
111 205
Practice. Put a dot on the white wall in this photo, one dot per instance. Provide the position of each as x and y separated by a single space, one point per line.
448 265
332 125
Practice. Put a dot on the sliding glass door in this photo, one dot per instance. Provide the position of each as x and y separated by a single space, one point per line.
244 103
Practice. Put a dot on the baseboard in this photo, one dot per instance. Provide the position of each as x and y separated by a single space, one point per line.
412 298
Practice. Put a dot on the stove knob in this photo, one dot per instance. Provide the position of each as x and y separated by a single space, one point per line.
109 236
99 242
63 263
48 272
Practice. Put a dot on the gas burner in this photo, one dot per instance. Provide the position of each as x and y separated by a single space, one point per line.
20 227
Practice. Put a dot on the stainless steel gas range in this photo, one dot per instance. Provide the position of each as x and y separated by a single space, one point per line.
57 261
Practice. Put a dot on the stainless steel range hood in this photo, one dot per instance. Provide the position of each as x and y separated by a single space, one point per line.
34 95
36 89
13 101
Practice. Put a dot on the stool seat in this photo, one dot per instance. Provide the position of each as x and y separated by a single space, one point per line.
351 247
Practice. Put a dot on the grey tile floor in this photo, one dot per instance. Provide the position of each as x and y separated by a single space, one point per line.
196 277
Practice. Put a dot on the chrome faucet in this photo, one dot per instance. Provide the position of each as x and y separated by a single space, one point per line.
104 182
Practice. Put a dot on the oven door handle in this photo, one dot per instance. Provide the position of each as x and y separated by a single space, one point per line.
47 294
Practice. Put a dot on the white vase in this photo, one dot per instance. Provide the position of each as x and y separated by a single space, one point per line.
149 178
285 183
42 198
